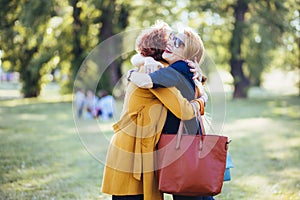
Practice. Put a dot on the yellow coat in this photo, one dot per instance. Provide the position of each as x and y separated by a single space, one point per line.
130 166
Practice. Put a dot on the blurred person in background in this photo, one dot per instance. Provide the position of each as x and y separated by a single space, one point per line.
90 105
79 99
106 105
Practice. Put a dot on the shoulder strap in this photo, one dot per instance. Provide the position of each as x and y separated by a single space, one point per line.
198 116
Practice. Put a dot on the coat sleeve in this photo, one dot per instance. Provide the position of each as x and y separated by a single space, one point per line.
175 102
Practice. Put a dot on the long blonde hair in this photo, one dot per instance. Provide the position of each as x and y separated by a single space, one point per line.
194 47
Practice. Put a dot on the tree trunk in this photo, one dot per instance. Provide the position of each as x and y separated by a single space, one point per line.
77 50
241 82
112 21
30 80
31 86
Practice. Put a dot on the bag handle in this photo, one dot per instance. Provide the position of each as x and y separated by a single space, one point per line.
181 126
198 116
196 111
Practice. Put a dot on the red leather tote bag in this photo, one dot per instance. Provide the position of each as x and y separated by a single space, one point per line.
191 165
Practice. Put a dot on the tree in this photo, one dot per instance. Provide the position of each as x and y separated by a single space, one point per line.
257 29
106 18
243 35
77 28
24 41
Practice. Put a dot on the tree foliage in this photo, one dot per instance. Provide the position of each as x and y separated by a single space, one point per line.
24 39
244 37
256 29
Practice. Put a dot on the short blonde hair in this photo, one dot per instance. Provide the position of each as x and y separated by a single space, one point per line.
194 47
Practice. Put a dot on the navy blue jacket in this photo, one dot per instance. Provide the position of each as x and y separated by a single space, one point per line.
177 74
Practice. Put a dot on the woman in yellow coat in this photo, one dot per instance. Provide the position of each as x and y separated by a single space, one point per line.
130 170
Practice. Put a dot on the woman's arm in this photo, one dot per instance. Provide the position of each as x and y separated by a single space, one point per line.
166 77
170 97
176 103
170 78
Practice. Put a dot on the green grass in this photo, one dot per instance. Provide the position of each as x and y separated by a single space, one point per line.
265 148
42 156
